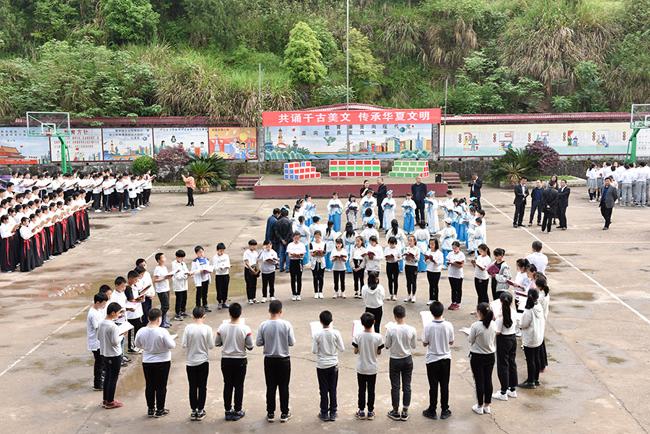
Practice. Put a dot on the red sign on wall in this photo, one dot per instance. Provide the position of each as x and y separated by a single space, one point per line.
353 117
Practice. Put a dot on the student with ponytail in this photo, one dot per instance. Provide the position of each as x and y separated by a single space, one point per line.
532 323
542 286
481 276
482 336
506 328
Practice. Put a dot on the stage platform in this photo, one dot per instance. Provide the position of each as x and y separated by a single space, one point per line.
276 187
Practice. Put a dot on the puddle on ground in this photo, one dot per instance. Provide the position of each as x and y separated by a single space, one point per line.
254 219
584 296
548 392
615 360
637 249
578 306
66 386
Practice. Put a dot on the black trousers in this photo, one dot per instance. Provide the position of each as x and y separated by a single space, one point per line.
277 372
419 211
202 294
434 279
181 302
136 323
268 282
155 377
367 382
112 367
146 194
438 374
456 289
190 196
507 361
318 276
197 376
532 363
411 278
606 213
164 304
98 370
392 272
120 200
328 379
97 201
400 369
251 284
481 286
222 282
482 366
562 216
378 313
358 280
234 374
536 207
548 220
295 269
146 307
339 281
520 210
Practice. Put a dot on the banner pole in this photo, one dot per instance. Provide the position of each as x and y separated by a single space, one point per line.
444 133
259 98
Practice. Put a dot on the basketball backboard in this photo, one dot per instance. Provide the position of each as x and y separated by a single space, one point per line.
640 116
48 124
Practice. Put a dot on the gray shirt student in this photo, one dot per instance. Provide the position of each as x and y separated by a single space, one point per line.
400 340
276 336
438 335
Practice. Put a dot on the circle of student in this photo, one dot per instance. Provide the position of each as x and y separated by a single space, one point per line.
45 215
519 308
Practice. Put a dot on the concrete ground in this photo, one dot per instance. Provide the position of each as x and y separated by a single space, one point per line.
597 337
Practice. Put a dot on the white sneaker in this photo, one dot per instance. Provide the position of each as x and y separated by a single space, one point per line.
250 302
511 393
486 410
413 299
272 298
500 396
297 298
293 298
429 303
407 299
476 409
255 301
320 295
263 299
316 295
473 312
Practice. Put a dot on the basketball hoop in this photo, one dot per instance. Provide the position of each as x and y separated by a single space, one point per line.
48 134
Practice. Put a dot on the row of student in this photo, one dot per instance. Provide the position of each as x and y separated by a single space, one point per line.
492 340
33 232
632 181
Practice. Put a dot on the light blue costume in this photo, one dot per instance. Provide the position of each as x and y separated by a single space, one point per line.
334 209
409 216
310 211
349 244
305 239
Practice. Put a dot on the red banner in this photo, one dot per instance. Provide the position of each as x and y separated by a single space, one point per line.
352 117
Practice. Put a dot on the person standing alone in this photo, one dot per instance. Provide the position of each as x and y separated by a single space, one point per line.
380 195
419 191
475 186
521 193
608 202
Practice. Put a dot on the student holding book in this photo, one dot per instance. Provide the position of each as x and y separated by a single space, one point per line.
161 277
318 251
506 328
339 259
197 338
358 263
532 323
437 337
268 261
202 275
156 343
235 338
334 209
118 296
401 339
393 257
110 346
326 344
251 271
455 262
296 251
221 263
367 346
374 255
276 336
179 283
93 320
134 312
482 337
411 261
499 271
434 260
481 276
373 298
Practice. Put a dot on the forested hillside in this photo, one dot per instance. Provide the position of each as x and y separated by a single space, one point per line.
200 57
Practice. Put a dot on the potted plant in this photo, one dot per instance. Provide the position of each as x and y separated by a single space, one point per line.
209 171
203 175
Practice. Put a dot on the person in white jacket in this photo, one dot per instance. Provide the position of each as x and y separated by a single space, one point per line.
532 324
179 284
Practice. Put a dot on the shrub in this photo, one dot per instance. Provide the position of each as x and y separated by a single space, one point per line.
170 160
141 164
547 157
512 166
212 170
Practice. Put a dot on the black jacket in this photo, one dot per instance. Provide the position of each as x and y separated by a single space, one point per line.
419 192
521 193
549 200
380 194
563 197
478 184
284 230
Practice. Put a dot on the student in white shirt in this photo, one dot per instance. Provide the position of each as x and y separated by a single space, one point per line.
318 251
358 264
434 260
481 276
374 255
455 262
93 320
329 237
202 274
373 298
506 328
268 260
221 263
161 278
110 343
133 314
251 271
482 337
326 344
401 338
179 283
339 259
335 208
156 343
437 337
532 323
197 338
235 338
369 231
145 282
296 252
388 206
411 259
367 345
393 256
537 258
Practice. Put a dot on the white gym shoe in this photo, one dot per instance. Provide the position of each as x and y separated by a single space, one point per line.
263 299
293 298
407 299
316 295
486 410
511 393
429 303
413 299
297 298
272 298
476 409
500 396
320 295
251 301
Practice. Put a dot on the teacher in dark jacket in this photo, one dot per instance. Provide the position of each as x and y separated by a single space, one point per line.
608 201
521 193
270 230
563 203
284 234
380 195
419 191
549 205
475 186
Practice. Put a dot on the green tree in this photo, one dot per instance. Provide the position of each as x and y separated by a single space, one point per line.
10 38
213 21
129 20
589 96
363 64
53 19
302 57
